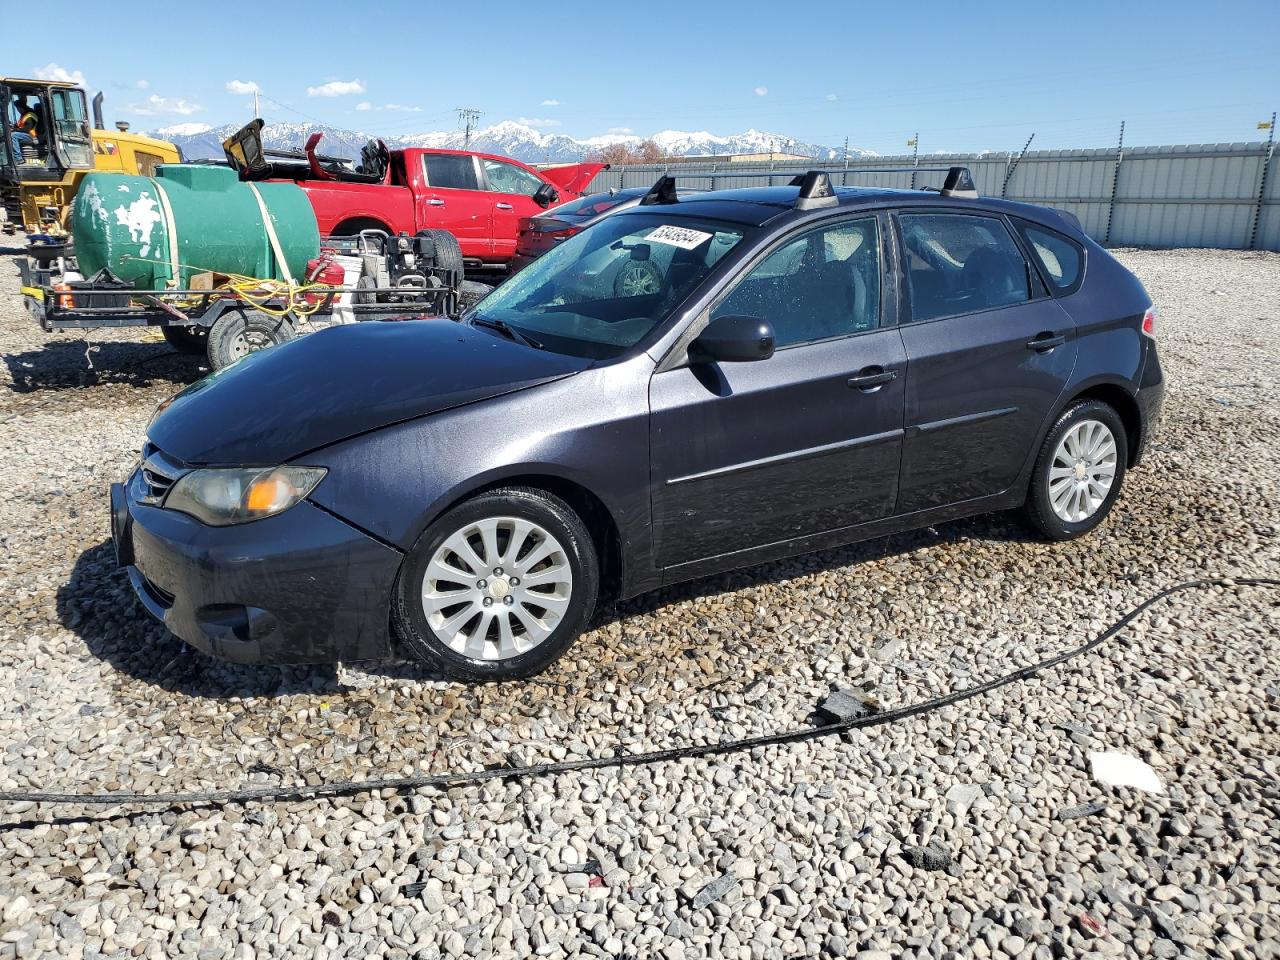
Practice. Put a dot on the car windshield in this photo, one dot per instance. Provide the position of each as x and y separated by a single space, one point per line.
604 290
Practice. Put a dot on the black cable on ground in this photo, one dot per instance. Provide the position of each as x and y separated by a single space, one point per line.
448 779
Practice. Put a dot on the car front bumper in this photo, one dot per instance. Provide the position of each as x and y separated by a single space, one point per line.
301 587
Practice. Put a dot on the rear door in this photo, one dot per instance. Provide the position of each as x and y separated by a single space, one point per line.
989 354
452 199
511 188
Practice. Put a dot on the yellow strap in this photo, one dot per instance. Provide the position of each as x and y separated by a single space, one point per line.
271 235
171 228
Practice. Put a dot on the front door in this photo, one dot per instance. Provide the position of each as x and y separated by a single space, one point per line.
989 354
749 454
452 199
511 189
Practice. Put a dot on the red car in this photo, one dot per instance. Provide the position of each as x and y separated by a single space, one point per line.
478 197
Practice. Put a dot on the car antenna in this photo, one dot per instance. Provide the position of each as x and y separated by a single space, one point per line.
664 191
815 190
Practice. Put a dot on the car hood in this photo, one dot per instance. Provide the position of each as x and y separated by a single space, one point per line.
328 386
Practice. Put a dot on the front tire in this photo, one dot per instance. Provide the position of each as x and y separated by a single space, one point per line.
498 587
1078 472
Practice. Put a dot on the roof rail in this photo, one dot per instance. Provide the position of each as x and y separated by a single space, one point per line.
816 189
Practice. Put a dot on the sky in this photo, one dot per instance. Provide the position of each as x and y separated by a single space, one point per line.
966 77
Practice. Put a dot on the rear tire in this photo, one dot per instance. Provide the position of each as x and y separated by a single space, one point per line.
240 332
502 630
189 340
1078 472
447 254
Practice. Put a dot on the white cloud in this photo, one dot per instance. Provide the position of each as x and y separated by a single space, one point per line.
364 106
242 87
336 88
831 97
621 130
761 91
553 102
142 84
538 121
156 106
52 71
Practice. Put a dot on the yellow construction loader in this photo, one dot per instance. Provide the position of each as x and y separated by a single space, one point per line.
47 146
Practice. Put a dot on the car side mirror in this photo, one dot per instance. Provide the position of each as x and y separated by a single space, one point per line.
733 340
545 195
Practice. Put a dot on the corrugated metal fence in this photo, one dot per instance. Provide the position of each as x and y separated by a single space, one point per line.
1207 195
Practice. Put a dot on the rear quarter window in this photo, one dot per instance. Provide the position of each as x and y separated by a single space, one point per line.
1061 259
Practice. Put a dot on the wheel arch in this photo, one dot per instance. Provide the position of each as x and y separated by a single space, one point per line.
1123 403
589 507
352 225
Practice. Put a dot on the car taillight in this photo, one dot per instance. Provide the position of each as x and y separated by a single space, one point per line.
1149 322
528 224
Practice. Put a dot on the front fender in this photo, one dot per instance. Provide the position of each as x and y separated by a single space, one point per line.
590 430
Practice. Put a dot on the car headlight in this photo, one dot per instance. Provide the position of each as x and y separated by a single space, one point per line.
224 496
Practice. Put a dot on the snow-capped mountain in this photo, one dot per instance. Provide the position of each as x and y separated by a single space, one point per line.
201 141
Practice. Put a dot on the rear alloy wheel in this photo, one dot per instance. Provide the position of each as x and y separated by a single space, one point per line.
240 332
498 587
1078 473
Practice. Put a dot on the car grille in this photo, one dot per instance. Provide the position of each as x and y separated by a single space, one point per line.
158 473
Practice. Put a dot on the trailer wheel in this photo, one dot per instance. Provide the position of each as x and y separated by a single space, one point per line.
190 340
240 332
447 254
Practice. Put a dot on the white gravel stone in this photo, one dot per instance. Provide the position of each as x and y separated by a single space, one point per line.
811 841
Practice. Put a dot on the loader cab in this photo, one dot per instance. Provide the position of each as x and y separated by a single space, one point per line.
46 133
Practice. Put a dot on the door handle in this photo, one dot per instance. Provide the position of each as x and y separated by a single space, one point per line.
435 202
871 379
503 206
1046 342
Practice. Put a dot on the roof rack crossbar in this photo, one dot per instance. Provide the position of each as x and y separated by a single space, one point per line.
816 189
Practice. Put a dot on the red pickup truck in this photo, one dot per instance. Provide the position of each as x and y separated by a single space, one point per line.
478 197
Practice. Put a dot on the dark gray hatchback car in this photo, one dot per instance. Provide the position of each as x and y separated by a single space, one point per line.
813 366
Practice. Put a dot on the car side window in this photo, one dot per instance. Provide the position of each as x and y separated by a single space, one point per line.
508 178
450 171
959 263
1062 259
824 283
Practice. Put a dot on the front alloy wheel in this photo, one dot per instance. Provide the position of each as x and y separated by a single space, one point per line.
498 587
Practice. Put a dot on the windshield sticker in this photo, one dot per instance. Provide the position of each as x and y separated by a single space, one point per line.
681 237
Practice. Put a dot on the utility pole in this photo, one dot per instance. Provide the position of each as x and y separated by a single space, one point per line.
846 153
467 117
256 112
914 144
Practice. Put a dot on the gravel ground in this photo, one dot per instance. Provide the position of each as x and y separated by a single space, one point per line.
976 831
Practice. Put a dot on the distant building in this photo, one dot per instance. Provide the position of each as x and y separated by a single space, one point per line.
777 157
